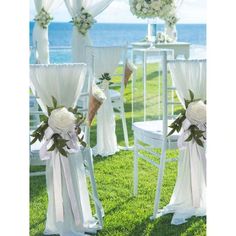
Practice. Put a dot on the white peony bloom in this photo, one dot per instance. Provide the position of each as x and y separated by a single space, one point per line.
61 120
196 113
156 5
145 10
138 6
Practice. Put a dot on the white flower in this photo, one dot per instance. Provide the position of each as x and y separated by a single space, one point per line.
138 6
156 5
145 10
104 85
98 93
61 120
196 113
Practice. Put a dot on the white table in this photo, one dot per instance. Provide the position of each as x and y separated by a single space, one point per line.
180 48
144 53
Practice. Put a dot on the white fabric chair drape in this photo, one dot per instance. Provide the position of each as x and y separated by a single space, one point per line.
189 196
40 35
105 60
65 83
79 42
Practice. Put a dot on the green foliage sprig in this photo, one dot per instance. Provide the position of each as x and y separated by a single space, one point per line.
43 18
84 21
59 142
195 133
105 76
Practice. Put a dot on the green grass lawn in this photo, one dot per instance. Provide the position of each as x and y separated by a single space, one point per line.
125 214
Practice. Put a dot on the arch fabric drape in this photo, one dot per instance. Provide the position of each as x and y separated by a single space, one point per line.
79 42
189 196
40 35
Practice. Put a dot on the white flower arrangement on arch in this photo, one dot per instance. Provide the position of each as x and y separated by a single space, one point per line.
152 8
43 18
83 21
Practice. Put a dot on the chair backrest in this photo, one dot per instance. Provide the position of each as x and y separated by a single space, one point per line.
185 75
34 113
189 74
106 60
65 82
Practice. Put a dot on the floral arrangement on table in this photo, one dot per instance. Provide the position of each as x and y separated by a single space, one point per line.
163 38
61 129
83 21
43 18
163 9
171 20
193 122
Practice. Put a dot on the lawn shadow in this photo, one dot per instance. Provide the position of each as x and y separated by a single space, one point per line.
163 227
38 223
37 187
119 205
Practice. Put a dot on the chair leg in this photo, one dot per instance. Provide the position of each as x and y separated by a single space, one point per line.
38 173
98 205
125 131
159 181
135 166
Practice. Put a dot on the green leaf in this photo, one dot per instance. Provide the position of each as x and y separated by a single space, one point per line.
189 138
191 94
49 110
186 102
63 152
70 109
171 132
178 128
33 141
78 130
199 142
52 147
43 118
83 144
34 134
172 125
54 102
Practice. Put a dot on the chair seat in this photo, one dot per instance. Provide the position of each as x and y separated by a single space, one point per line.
114 94
153 130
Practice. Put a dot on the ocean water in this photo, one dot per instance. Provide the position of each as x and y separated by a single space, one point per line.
118 34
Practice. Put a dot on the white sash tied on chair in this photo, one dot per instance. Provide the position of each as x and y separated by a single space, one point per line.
189 195
60 163
69 211
105 60
197 156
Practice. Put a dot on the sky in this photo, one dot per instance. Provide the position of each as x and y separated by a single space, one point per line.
191 11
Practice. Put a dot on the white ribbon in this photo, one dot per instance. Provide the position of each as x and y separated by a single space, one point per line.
60 163
182 144
195 153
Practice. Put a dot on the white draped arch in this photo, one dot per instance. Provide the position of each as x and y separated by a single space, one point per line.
79 41
40 35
